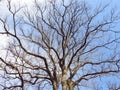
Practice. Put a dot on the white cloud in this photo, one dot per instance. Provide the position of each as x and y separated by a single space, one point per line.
3 41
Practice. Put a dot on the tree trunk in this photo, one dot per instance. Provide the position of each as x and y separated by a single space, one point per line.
70 84
64 81
71 87
55 86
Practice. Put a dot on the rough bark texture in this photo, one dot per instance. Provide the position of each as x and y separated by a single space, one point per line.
55 85
70 84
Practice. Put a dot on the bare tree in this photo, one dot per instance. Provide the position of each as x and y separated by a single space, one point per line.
58 45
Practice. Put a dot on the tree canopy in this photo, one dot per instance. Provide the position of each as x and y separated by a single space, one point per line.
59 45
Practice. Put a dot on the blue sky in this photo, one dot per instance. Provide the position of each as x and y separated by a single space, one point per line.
116 5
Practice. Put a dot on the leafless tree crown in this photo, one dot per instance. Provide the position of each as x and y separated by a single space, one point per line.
58 45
